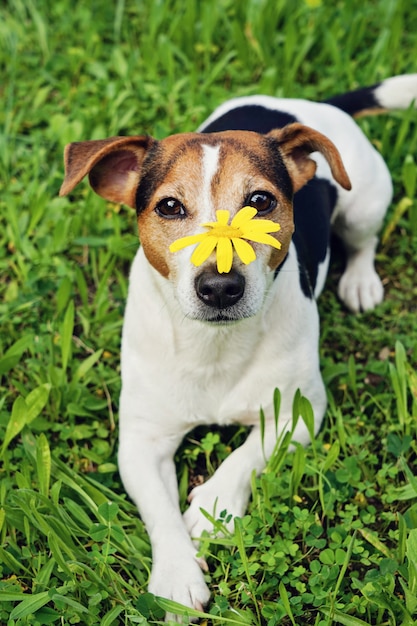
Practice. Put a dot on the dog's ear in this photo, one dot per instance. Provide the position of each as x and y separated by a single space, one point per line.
113 165
296 142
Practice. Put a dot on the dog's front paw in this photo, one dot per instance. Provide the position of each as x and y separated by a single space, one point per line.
360 289
180 581
214 503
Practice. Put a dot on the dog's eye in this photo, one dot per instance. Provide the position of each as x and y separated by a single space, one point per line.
170 208
263 201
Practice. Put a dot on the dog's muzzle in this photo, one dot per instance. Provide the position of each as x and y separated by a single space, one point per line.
220 291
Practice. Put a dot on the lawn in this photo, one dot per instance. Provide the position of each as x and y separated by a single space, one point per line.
331 532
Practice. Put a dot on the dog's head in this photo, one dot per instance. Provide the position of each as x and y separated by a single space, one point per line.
179 183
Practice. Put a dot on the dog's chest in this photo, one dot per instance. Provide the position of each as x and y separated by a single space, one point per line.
178 373
188 378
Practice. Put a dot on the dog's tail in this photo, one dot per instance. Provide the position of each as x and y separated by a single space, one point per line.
398 92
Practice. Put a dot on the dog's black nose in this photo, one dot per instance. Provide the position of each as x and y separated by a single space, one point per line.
220 290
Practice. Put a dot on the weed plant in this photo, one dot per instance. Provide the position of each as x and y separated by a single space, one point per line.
331 532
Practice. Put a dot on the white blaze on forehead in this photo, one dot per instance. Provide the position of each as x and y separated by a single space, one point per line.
210 166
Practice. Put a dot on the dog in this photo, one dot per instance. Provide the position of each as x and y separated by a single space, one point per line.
200 346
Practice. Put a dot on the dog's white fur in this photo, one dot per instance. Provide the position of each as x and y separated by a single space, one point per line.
179 372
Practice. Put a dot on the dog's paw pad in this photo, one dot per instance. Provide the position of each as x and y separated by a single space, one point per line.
361 291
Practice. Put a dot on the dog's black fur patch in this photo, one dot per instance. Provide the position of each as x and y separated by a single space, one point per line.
252 117
313 206
356 101
151 177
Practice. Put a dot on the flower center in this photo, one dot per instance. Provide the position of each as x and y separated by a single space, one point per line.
230 232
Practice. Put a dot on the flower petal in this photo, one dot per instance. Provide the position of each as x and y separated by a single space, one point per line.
183 242
222 217
222 220
264 238
203 250
244 250
224 255
244 215
261 226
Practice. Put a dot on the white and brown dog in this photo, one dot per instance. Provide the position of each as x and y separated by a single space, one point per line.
200 347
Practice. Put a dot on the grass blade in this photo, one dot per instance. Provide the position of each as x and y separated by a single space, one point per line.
67 328
43 464
343 618
16 422
286 602
30 605
36 401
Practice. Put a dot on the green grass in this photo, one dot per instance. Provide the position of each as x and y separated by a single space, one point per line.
331 534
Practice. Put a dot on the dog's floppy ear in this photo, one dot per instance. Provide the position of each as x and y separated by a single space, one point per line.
296 142
113 165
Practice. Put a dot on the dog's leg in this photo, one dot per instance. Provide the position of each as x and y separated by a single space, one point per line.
358 219
148 473
229 488
360 287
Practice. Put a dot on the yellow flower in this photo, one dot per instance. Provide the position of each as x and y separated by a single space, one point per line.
222 237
